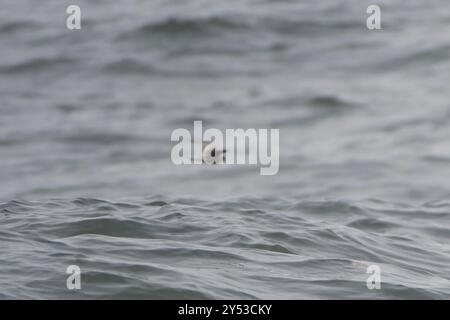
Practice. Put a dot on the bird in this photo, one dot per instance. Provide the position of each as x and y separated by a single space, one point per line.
211 155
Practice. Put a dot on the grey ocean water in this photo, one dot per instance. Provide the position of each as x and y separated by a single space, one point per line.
85 171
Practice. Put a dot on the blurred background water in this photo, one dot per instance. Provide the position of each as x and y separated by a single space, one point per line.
86 176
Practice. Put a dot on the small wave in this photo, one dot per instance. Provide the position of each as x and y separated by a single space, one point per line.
234 23
319 101
99 138
415 58
16 26
179 26
128 65
371 224
329 101
37 65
